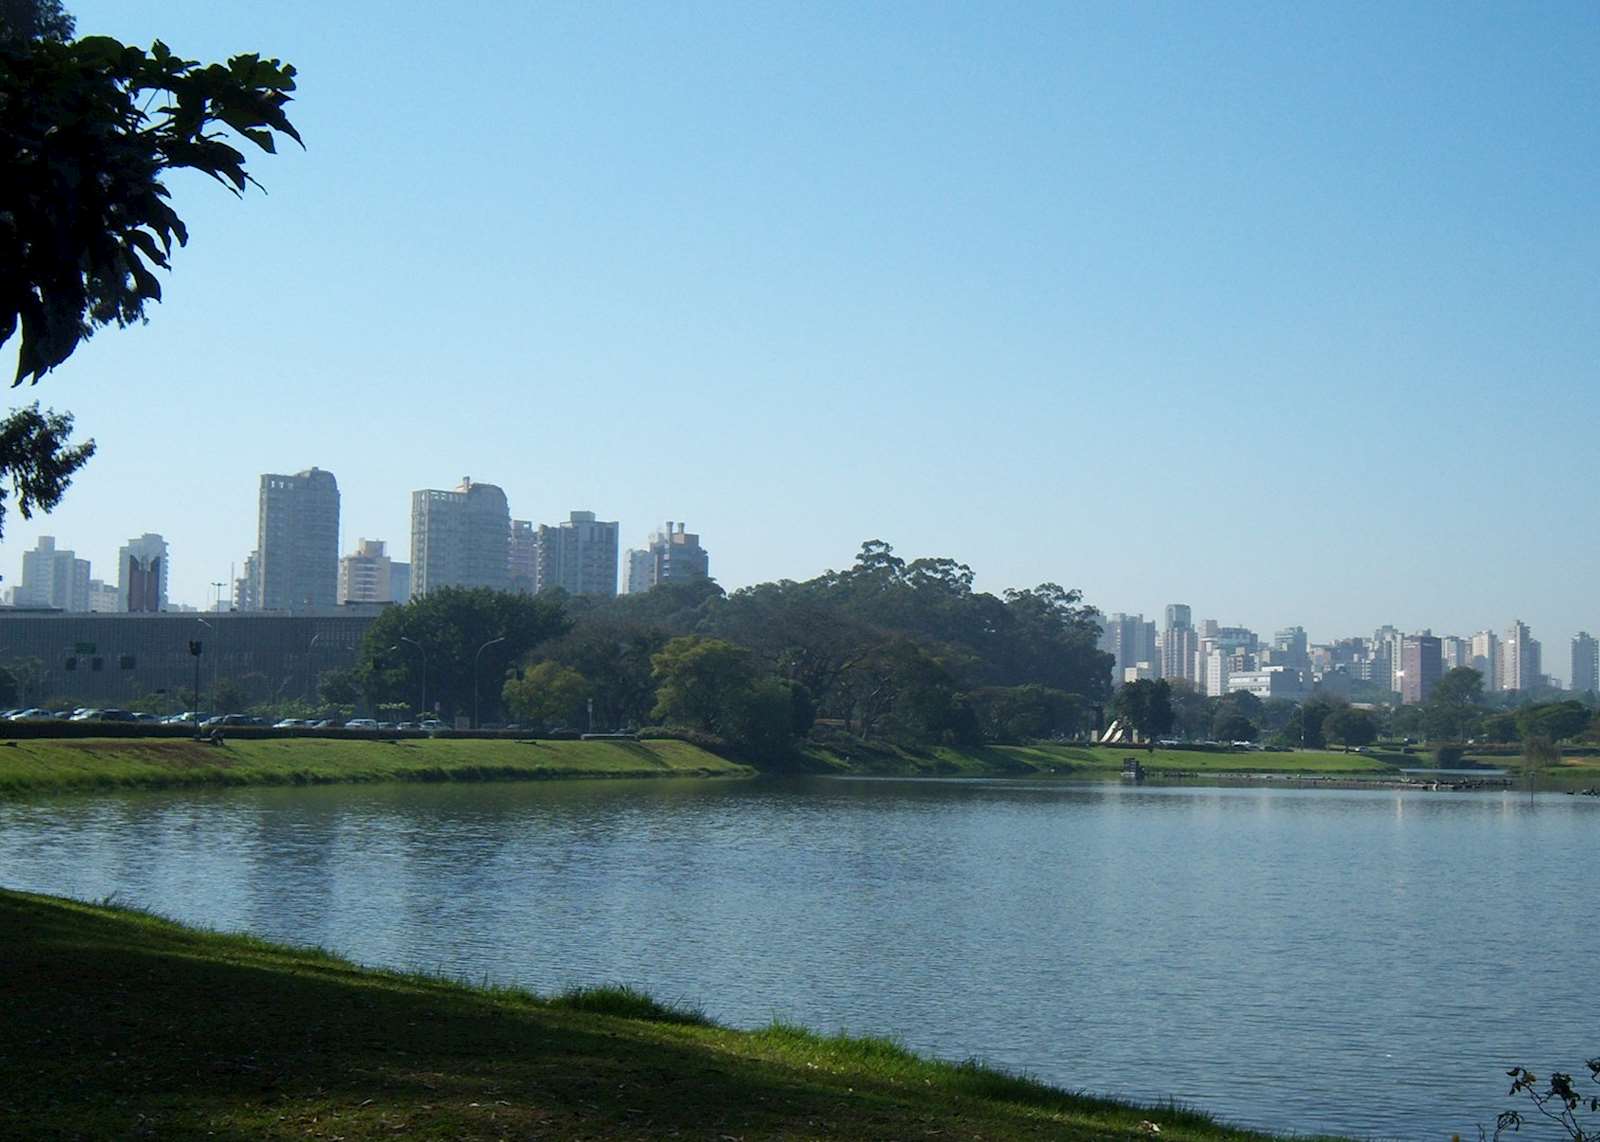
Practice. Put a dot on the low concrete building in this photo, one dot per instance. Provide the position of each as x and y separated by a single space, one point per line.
118 659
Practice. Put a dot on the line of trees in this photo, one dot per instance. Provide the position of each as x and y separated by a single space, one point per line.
887 650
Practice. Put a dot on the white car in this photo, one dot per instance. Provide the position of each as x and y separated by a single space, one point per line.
361 724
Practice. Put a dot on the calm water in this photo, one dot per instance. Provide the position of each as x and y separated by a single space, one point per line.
1361 962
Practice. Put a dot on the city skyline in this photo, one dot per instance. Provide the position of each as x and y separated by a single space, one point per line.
1004 289
1179 616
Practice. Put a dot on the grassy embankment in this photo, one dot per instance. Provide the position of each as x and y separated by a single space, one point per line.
50 764
121 1025
1098 761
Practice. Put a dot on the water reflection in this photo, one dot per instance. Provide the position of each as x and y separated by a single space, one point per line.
1366 962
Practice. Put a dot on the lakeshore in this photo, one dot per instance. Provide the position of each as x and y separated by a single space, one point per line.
122 1024
45 765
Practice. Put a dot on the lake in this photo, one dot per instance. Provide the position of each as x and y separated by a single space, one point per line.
1361 962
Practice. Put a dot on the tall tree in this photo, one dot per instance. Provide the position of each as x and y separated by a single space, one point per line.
1146 705
88 130
453 644
37 459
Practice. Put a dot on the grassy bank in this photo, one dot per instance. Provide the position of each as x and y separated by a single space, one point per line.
46 764
119 1025
1102 762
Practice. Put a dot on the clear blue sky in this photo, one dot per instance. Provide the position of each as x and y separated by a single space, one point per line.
1289 312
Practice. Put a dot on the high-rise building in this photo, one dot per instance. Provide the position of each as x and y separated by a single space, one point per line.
142 575
460 538
1454 652
247 587
103 597
365 575
53 578
1179 644
670 555
1386 658
399 582
1519 658
1290 648
1585 663
579 556
1420 667
523 556
1130 640
297 541
1486 658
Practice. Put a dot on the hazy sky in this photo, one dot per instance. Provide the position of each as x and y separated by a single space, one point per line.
1289 312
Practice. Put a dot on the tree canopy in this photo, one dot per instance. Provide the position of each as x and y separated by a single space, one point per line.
88 131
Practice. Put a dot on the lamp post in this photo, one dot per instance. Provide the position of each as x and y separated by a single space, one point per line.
195 648
424 652
311 690
475 658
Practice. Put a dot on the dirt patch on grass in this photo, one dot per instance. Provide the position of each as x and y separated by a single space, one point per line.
173 754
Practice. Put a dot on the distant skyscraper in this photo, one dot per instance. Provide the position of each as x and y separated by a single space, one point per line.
1386 657
52 578
297 541
1130 640
365 575
142 575
671 555
579 556
103 597
1585 663
1486 658
1519 657
460 538
247 587
1419 667
1179 642
1290 648
1454 652
523 555
399 582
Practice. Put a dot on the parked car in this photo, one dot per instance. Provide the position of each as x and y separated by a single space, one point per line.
434 725
361 724
290 723
32 714
222 720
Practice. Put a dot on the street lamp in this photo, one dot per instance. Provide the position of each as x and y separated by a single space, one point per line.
475 658
311 690
195 647
424 652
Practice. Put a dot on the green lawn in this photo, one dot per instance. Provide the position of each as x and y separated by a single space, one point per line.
98 763
119 1025
1098 761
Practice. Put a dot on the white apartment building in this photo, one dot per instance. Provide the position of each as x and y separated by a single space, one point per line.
366 574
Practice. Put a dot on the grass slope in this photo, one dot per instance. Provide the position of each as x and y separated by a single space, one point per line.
102 763
121 1025
1092 761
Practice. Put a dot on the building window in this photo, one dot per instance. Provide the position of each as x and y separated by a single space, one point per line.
97 664
71 664
126 662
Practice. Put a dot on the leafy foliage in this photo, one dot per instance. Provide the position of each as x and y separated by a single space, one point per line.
1558 1101
431 644
1147 705
37 459
88 130
547 695
22 21
1347 726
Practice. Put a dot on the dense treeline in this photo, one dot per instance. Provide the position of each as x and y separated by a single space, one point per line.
1457 713
889 650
